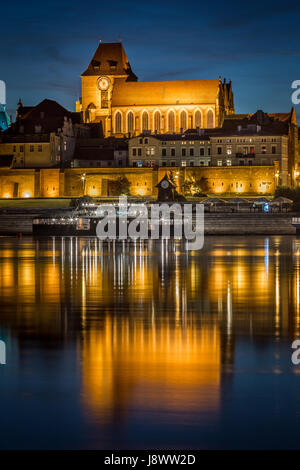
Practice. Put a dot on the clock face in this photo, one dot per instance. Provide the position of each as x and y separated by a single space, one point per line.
103 83
165 184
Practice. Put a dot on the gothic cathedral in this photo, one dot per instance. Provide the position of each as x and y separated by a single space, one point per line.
113 96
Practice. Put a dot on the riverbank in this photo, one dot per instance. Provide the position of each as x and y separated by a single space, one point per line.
214 223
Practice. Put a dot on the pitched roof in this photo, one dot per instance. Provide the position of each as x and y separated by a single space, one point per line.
110 59
166 178
180 92
48 114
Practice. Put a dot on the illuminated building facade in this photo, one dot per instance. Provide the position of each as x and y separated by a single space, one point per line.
112 96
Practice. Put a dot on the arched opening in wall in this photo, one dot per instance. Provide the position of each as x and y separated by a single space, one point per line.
90 112
130 122
171 121
198 120
157 125
183 120
118 122
210 119
145 121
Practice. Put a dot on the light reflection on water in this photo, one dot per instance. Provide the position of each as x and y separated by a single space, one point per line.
144 344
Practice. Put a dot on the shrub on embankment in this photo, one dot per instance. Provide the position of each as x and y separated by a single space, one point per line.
290 193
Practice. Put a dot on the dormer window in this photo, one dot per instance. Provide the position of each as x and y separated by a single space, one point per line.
96 65
113 65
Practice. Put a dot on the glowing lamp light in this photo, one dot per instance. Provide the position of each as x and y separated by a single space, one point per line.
27 194
7 195
141 192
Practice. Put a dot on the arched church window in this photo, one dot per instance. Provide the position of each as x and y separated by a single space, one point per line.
118 122
183 120
157 121
171 121
198 118
145 121
210 119
130 122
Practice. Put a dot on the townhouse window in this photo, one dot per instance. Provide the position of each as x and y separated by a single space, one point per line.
229 150
173 163
140 141
139 152
31 148
228 162
220 162
250 162
191 163
201 151
183 163
208 151
252 151
273 149
219 150
21 148
201 163
191 152
14 148
241 162
163 152
134 152
40 148
163 163
264 149
172 152
183 152
146 141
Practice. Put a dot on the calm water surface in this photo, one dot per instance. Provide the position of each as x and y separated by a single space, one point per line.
149 346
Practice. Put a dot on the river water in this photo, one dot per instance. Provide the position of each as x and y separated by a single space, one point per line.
147 345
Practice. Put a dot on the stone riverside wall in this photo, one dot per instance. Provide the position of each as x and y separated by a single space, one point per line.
96 182
214 224
248 224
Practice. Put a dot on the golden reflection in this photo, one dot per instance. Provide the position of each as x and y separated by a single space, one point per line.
154 324
178 368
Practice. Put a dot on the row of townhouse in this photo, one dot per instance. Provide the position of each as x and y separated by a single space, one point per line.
256 141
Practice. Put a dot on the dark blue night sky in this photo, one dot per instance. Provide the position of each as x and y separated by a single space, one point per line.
46 45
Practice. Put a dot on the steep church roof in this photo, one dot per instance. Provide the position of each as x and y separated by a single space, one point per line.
181 92
110 59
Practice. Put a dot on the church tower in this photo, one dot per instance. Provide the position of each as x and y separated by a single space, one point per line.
108 64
